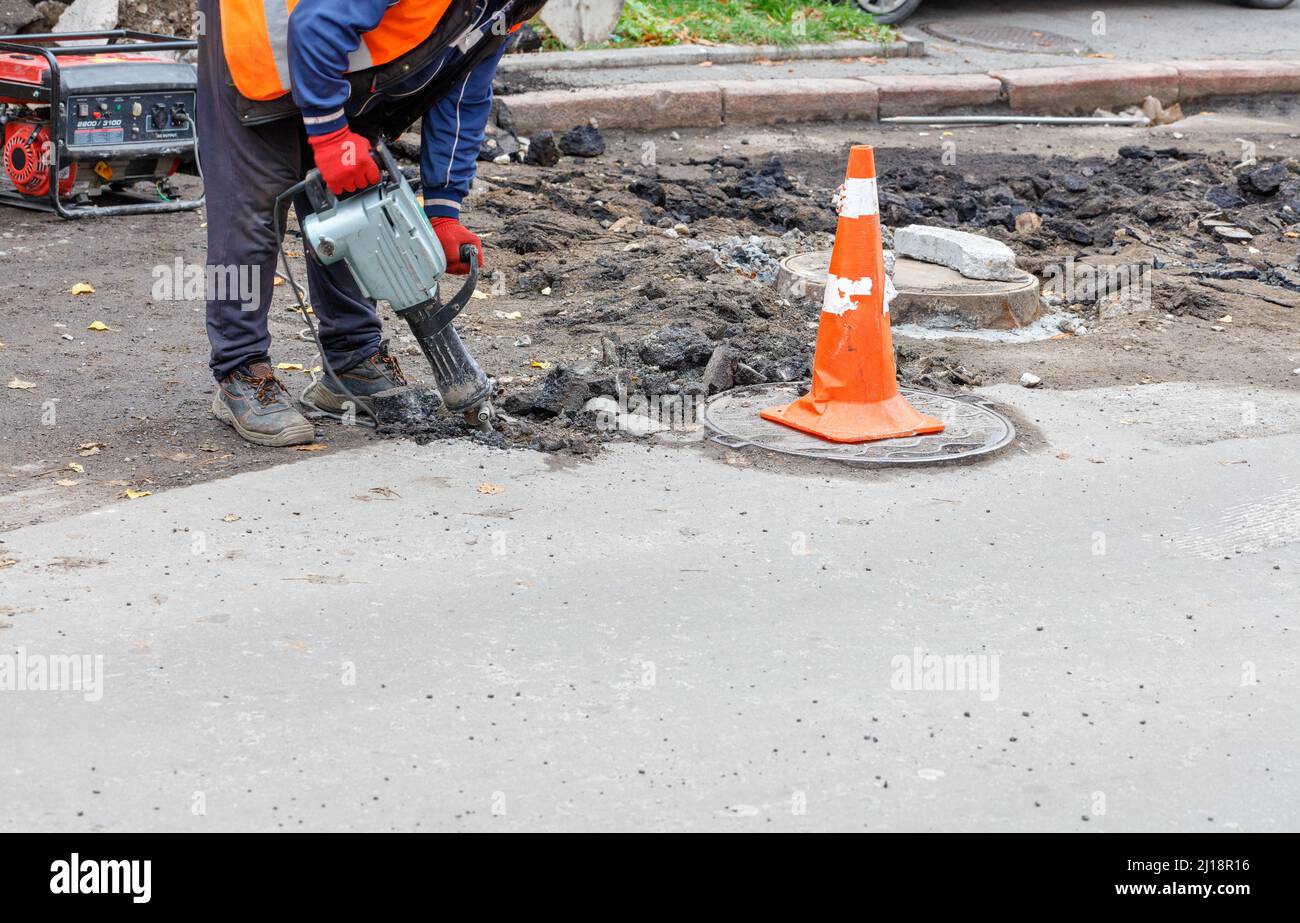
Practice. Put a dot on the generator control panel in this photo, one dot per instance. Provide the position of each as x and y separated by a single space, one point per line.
101 120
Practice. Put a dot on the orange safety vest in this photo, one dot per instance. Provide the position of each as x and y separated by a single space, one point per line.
256 38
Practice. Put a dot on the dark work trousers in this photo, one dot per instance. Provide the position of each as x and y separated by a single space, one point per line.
244 169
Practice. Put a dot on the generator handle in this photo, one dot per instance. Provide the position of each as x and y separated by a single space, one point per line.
141 42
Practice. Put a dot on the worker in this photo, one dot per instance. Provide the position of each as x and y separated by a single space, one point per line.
285 86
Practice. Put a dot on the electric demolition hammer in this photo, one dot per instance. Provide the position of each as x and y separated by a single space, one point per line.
386 241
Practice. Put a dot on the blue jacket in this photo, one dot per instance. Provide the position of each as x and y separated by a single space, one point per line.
323 33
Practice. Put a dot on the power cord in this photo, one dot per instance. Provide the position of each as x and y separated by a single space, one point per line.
305 309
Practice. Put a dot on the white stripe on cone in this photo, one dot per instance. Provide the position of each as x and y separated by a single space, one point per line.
858 198
839 293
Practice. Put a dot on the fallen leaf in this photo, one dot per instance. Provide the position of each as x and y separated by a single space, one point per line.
67 482
289 366
97 325
69 562
7 562
1239 461
326 579
1064 456
310 447
705 64
384 491
540 365
74 466
132 494
508 315
19 385
87 449
491 488
230 517
83 288
477 294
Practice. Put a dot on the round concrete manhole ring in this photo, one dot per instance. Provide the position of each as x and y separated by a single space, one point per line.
972 428
1004 37
929 295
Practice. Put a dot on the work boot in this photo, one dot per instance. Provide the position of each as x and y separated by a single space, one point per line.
368 377
253 401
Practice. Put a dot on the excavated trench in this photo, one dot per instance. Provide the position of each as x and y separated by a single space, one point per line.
614 275
612 279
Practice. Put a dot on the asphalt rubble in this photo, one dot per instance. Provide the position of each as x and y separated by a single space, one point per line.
667 268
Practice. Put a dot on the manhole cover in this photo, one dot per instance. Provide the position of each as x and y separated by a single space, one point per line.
972 427
1004 38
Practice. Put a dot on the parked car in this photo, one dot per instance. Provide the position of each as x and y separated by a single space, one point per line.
889 11
895 11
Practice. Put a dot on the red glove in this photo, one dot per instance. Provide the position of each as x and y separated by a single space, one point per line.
453 235
343 158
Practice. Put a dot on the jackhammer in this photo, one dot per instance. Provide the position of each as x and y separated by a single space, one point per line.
382 235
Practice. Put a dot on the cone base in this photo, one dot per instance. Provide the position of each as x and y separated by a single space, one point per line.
892 418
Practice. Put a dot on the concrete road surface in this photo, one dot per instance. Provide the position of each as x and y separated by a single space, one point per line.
684 638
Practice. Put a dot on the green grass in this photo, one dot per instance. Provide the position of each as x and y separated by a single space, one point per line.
739 22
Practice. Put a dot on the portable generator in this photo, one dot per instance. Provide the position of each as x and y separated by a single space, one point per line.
82 124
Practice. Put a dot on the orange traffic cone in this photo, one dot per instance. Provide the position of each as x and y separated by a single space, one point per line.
854 395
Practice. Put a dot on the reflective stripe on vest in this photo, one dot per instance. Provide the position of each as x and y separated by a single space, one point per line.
255 34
